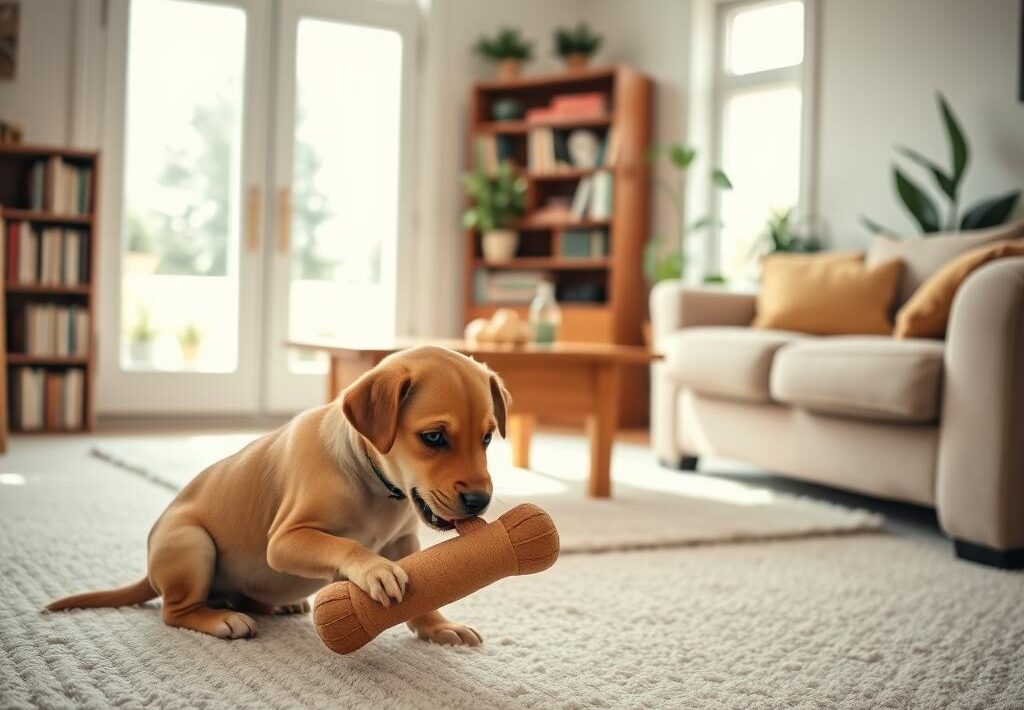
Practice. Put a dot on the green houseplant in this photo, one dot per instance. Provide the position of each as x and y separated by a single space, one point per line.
781 236
575 45
508 49
141 337
989 212
665 257
189 338
497 202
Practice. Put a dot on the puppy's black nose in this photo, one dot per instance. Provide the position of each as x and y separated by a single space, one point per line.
474 502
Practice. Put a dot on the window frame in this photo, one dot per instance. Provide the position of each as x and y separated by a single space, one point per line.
725 84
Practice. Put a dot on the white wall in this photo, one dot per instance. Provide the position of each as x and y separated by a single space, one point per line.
881 64
39 96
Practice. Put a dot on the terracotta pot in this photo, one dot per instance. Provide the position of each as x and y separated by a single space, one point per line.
577 62
189 353
500 245
509 68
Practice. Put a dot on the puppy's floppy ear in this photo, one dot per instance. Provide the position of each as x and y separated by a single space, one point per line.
371 404
502 402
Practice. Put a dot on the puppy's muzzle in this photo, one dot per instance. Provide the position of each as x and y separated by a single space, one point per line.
474 502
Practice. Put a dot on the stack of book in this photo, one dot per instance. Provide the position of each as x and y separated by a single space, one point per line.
60 187
593 197
548 151
51 256
48 330
584 244
493 150
506 286
50 399
567 107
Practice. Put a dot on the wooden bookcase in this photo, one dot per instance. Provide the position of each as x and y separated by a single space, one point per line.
618 314
16 165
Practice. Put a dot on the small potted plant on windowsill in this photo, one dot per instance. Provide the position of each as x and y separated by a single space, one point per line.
576 46
140 340
498 201
507 49
189 338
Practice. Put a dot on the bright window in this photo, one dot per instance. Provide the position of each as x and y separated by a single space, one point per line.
759 124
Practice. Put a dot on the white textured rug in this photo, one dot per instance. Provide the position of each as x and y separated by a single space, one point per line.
650 507
855 621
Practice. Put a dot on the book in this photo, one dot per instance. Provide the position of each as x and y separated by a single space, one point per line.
47 399
601 200
581 198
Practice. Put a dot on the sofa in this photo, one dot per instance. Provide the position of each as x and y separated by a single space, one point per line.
938 423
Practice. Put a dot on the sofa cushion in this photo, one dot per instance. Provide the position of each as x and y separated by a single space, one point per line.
733 362
866 377
923 256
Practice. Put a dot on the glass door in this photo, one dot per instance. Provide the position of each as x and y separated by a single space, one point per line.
191 171
343 117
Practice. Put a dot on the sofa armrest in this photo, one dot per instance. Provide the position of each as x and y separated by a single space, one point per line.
980 479
675 305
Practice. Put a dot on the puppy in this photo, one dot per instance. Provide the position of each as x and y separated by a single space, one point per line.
334 494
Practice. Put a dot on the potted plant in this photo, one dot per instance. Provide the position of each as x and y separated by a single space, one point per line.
140 339
189 338
498 201
576 45
665 258
782 236
507 49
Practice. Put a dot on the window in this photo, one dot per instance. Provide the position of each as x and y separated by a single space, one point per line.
759 106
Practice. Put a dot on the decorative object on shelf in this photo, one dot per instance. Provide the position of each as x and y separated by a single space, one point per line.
989 212
783 235
545 315
507 108
505 327
508 49
10 133
190 338
141 339
666 258
576 45
498 202
584 148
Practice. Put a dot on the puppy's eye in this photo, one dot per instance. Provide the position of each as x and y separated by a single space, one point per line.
487 439
435 438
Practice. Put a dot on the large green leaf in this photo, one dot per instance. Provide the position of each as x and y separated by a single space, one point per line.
957 141
945 182
681 156
917 201
720 179
991 212
874 227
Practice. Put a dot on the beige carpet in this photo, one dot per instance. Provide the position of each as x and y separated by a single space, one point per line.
854 621
651 507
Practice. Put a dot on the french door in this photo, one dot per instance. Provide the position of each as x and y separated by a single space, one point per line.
256 178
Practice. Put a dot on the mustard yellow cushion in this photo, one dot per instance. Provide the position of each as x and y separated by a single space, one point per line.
827 294
926 314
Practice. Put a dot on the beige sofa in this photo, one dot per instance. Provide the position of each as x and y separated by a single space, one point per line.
934 423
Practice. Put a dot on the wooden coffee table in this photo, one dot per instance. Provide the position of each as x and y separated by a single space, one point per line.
570 380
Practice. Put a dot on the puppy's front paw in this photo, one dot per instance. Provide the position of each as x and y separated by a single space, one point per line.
449 633
382 579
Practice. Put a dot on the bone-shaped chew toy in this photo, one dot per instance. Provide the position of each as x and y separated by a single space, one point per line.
522 541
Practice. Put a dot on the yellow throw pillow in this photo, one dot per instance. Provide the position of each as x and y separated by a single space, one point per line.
827 294
926 314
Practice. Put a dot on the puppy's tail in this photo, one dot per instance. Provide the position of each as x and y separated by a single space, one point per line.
141 591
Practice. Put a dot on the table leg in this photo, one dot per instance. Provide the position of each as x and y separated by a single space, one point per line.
520 430
601 429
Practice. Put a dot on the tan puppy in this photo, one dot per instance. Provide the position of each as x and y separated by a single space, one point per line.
334 494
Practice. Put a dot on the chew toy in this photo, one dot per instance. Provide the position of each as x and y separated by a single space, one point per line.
522 541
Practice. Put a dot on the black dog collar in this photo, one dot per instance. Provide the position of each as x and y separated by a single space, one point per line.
393 490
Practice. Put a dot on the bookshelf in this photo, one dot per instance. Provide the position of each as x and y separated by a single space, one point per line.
602 294
48 199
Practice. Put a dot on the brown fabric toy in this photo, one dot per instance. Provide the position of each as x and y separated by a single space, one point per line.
522 541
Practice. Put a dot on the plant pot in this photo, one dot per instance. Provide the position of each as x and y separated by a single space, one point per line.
509 68
577 62
500 244
141 351
190 353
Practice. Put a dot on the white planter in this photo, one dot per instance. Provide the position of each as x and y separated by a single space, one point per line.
141 351
500 245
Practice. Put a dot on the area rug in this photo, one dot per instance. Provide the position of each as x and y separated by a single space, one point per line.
850 622
650 507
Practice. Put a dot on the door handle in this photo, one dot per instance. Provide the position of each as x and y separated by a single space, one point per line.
284 218
253 203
